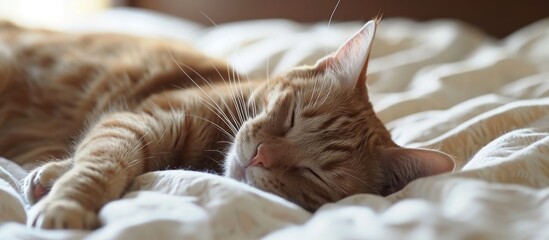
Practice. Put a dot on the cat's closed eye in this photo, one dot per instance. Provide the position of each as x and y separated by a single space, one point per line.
285 114
292 119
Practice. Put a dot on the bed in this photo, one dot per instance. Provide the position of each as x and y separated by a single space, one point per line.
439 83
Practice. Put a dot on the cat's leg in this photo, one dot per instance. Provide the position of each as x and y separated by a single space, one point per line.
119 148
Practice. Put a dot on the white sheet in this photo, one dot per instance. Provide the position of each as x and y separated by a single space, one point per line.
438 83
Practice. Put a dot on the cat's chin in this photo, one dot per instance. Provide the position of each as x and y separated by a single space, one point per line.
244 174
234 168
237 172
237 169
251 175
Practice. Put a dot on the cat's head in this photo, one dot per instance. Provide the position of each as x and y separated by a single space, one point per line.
316 138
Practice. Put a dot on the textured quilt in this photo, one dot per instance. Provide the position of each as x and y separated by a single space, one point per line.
440 84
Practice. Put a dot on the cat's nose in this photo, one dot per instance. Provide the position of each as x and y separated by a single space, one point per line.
262 157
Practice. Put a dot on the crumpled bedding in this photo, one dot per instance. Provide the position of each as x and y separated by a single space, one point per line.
439 84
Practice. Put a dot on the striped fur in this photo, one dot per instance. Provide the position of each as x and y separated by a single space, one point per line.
94 111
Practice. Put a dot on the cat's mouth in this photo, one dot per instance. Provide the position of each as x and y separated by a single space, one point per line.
246 173
244 168
240 173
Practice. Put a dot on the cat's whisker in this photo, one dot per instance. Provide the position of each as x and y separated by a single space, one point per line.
228 134
216 161
239 108
234 130
208 17
223 117
217 107
235 116
217 151
241 99
333 12
254 106
226 121
232 86
229 86
219 110
330 21
214 89
226 142
214 124
249 94
246 108
238 96
194 82
233 95
232 67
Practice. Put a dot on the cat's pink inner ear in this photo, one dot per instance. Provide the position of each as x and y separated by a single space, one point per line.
403 165
433 162
350 61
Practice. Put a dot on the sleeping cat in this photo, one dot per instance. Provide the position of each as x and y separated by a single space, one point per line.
104 108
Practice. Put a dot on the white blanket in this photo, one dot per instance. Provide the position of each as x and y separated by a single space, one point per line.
439 84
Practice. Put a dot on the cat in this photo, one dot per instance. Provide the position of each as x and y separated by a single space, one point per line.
105 108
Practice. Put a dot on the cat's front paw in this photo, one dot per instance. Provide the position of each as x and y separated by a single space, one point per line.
39 181
61 214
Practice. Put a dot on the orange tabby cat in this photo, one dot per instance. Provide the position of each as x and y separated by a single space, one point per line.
107 108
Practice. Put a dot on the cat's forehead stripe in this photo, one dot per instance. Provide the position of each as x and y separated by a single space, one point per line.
332 164
336 147
329 122
311 113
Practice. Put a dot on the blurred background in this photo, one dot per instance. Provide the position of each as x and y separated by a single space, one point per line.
497 18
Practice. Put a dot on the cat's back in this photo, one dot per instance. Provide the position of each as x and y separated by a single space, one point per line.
73 60
51 80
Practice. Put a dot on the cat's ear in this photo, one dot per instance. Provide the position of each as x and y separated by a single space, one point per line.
403 165
350 61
